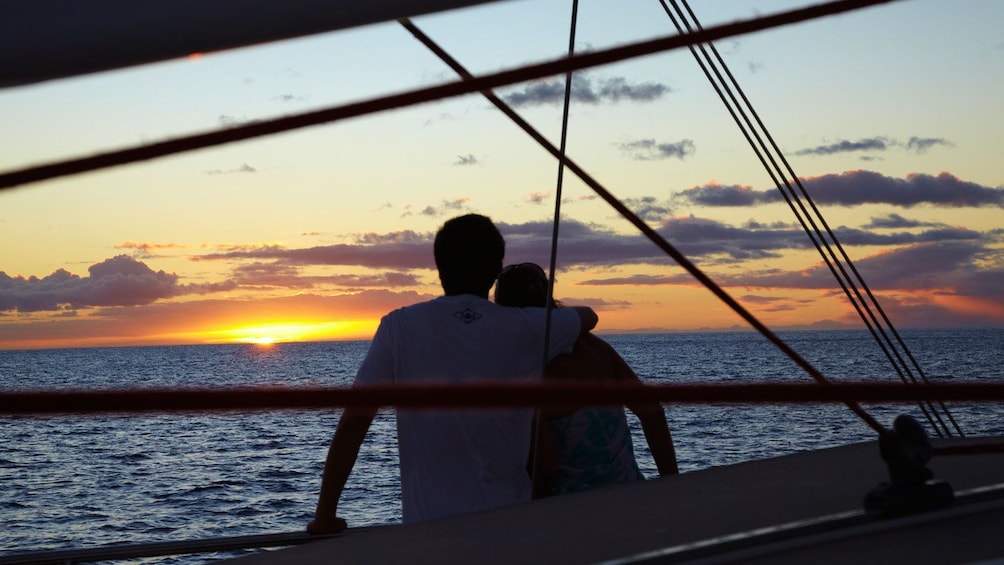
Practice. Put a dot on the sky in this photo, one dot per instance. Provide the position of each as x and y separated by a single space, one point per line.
889 116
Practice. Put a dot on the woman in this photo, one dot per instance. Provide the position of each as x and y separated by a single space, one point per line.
585 447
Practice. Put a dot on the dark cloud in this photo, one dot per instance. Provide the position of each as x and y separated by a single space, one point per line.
872 144
922 144
707 241
854 188
582 244
585 90
853 236
579 244
258 274
861 187
639 280
119 281
895 221
773 303
966 268
698 237
280 275
875 144
907 277
649 149
950 266
466 160
400 250
125 281
718 195
648 208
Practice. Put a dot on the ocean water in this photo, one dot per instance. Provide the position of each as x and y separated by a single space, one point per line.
84 481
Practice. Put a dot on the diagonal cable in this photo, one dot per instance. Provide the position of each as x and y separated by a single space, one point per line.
861 305
32 174
647 231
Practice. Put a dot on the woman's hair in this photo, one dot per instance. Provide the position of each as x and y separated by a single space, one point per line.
521 285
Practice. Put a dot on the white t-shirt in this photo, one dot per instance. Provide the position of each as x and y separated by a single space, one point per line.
459 461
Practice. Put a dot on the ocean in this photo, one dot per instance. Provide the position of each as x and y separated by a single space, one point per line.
84 481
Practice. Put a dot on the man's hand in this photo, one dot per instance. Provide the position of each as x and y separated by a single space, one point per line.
319 526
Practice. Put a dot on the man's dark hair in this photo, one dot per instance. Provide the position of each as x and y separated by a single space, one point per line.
469 251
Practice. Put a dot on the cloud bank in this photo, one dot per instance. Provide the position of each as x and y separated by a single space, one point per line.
856 188
119 281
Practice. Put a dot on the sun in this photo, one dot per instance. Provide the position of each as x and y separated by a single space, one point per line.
282 332
259 340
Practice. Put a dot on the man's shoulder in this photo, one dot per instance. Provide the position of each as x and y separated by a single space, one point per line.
442 303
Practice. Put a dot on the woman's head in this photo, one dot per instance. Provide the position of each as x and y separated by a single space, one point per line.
521 285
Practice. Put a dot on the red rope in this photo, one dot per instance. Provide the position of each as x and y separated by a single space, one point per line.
267 127
567 394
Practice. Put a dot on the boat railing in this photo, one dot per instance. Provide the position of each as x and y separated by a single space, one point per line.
85 402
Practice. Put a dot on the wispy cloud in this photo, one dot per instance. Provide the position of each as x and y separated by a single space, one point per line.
455 206
229 121
922 144
244 168
650 149
291 98
585 90
148 250
466 160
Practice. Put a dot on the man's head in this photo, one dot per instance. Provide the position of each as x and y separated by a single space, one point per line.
469 251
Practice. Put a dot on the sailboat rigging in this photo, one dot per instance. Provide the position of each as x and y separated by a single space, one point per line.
699 41
784 178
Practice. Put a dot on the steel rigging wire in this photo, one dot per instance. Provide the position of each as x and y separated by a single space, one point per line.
792 198
644 228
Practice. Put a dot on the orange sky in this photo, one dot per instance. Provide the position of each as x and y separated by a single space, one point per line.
315 234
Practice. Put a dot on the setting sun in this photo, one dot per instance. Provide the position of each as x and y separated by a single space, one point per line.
268 334
264 340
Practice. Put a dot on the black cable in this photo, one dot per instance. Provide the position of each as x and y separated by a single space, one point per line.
792 197
27 175
647 231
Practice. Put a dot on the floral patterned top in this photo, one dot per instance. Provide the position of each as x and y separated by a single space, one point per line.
593 448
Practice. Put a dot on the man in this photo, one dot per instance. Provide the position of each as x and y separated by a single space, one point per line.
453 461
